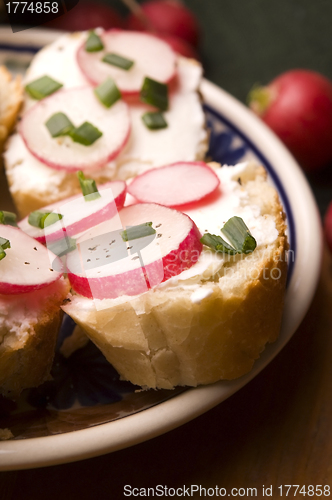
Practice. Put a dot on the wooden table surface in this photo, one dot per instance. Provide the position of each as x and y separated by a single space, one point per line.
275 431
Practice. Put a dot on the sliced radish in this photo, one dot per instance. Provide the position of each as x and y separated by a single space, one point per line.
151 56
80 105
79 213
104 266
28 265
176 184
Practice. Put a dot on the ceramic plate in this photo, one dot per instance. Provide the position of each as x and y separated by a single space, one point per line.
86 410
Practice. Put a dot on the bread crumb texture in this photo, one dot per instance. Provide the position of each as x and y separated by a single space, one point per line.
29 324
162 339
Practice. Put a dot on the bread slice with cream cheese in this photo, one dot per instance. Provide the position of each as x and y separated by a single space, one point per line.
213 320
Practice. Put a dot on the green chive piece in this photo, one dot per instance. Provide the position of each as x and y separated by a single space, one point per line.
107 92
93 43
89 187
154 93
42 87
217 244
63 246
4 244
139 231
118 61
59 124
8 218
154 120
238 234
43 219
85 134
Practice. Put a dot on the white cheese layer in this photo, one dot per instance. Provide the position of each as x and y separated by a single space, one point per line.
185 138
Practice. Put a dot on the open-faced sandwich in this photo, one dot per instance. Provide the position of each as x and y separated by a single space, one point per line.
134 105
177 267
32 289
182 283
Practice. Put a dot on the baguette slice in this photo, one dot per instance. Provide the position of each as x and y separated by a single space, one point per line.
11 97
29 324
208 327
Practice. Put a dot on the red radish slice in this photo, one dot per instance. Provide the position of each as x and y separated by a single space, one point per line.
79 213
28 265
80 105
176 184
104 266
152 57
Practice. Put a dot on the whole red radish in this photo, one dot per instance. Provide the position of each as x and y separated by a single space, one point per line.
328 226
87 15
297 106
167 17
180 46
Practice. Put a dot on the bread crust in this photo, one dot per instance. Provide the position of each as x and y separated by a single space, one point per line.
26 358
11 98
163 339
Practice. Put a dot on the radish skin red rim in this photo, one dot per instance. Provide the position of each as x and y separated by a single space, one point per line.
151 57
80 105
28 265
79 213
105 266
177 184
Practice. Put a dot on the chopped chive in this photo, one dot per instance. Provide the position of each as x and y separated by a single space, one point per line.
59 124
43 219
118 61
8 218
107 92
85 134
217 244
154 93
93 43
4 244
139 231
238 234
63 246
88 186
154 120
42 87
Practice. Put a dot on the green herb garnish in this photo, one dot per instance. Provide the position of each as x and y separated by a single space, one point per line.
42 87
154 120
43 219
59 124
139 231
8 218
93 43
118 61
88 186
154 93
4 244
63 246
85 134
237 233
107 92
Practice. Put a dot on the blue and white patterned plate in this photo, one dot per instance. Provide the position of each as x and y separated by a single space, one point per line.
86 410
